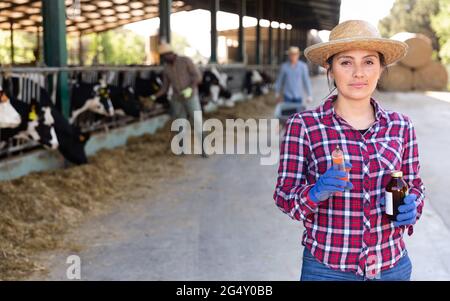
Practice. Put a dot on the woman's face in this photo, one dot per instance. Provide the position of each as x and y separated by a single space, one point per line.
356 73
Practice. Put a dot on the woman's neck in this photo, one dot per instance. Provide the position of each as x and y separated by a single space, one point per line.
360 114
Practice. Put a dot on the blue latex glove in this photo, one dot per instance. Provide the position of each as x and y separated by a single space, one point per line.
407 212
330 183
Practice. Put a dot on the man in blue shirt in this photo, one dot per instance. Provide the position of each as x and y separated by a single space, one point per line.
293 80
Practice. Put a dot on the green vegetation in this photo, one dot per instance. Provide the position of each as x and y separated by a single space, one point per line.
113 47
24 45
441 25
429 17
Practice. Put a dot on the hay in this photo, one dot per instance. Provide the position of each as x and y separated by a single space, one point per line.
38 209
396 78
419 50
432 76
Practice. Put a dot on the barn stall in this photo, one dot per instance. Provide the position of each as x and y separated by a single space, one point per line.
31 223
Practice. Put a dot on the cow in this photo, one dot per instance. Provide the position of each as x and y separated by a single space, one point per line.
43 123
9 118
257 83
214 87
146 86
36 123
71 139
124 101
92 97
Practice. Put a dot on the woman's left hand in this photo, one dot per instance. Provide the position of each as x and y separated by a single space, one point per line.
407 212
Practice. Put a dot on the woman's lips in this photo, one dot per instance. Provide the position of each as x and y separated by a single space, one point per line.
358 85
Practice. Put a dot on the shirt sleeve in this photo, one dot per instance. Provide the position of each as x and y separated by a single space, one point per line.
165 83
291 191
280 81
306 80
410 169
194 72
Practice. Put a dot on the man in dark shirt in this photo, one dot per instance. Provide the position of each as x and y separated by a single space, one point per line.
184 77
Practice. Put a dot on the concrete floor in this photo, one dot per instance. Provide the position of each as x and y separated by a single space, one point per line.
219 222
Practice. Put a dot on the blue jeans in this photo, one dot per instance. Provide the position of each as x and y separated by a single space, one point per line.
313 270
292 99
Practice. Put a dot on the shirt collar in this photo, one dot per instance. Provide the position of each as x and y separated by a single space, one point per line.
327 111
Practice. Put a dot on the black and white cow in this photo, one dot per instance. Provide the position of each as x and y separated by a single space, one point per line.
9 118
124 101
71 140
214 88
94 97
257 83
36 123
150 84
43 123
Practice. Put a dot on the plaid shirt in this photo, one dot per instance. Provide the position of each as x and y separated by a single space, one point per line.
348 232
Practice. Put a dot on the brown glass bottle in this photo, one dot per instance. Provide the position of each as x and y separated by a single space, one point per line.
396 190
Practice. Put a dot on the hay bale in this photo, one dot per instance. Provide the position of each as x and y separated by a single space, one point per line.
419 50
396 78
432 76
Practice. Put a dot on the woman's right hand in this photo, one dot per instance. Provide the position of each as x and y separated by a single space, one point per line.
329 183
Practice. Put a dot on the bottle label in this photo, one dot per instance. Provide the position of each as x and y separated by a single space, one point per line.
389 203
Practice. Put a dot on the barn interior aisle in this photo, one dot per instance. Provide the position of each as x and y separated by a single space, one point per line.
45 205
197 225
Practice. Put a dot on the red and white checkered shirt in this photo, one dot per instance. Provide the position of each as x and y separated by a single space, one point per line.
348 232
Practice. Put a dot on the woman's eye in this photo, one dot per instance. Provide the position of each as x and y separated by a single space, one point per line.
370 62
345 63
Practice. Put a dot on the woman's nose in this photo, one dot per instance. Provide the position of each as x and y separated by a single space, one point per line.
358 71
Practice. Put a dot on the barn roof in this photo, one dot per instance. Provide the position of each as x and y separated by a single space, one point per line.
100 15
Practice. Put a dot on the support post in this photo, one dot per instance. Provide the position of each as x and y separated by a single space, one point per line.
241 34
258 33
214 9
55 47
165 7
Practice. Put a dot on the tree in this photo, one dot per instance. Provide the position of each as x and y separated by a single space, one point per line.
412 16
114 47
441 25
24 45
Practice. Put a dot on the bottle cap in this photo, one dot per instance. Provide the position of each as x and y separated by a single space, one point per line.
397 173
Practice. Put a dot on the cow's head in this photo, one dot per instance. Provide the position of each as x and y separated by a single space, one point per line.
40 126
9 118
101 103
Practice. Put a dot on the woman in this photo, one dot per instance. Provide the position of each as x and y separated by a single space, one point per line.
347 235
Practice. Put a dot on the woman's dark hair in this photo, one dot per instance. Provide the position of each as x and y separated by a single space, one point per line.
330 63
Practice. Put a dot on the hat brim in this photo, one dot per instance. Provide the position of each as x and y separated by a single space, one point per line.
392 50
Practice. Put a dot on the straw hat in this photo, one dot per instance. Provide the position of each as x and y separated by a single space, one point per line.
355 34
293 50
164 48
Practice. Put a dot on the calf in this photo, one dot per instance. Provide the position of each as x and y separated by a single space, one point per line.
147 86
71 140
90 97
214 87
9 118
256 82
124 101
36 125
43 123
